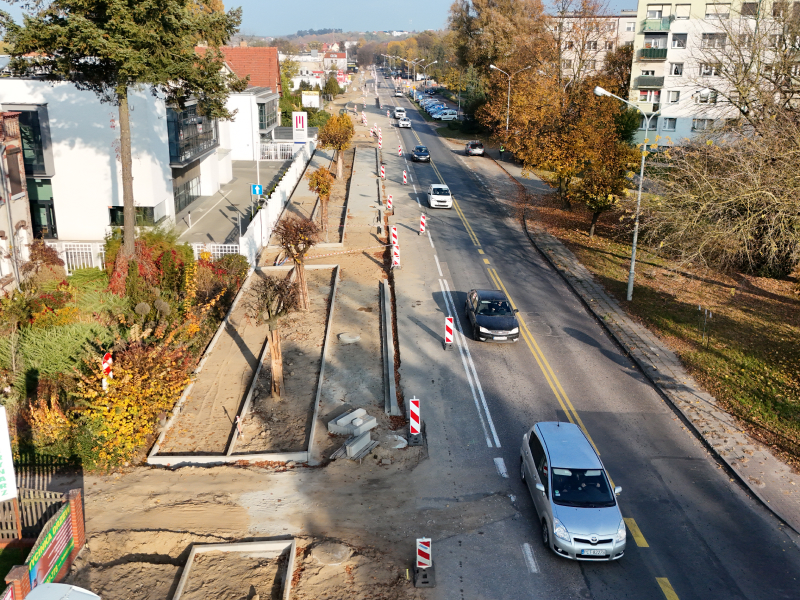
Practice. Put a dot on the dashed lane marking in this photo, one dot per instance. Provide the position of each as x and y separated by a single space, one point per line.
500 465
530 560
636 533
666 588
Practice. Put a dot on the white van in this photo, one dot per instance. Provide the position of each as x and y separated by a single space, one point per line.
447 114
399 112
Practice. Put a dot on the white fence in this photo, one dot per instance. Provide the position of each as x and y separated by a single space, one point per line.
260 229
277 151
216 250
80 255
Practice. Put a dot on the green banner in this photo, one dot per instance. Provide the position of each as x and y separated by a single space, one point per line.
52 550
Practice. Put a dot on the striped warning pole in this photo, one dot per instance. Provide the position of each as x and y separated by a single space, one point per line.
414 422
383 172
394 240
405 178
422 224
389 202
380 143
448 333
387 113
424 572
424 553
395 256
399 150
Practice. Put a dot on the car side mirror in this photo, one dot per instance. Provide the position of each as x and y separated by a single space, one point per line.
516 310
540 487
617 490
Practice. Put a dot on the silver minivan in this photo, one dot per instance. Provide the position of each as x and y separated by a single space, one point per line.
577 508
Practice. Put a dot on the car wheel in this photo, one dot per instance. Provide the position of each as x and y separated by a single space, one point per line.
545 534
521 469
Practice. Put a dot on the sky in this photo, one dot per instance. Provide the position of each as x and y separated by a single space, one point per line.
273 18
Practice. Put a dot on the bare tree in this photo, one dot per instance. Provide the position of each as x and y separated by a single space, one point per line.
270 299
297 235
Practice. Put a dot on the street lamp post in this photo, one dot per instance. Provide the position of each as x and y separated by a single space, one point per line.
460 71
508 108
598 91
425 70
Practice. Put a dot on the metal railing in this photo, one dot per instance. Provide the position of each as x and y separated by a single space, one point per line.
661 24
653 54
80 255
648 81
277 151
217 251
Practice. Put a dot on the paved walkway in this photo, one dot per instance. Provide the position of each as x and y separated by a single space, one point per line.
769 479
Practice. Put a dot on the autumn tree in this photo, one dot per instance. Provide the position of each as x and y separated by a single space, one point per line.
337 134
272 298
110 47
321 183
297 235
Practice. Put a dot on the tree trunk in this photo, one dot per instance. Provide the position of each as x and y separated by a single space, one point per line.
324 202
339 163
563 189
275 362
129 210
302 285
595 216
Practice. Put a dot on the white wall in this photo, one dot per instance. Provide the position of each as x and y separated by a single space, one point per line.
85 138
244 135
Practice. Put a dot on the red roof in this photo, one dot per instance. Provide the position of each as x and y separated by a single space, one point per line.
260 63
335 55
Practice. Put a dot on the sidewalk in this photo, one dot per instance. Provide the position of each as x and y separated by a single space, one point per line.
767 477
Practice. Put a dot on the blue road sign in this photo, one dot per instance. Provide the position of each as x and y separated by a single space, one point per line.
256 190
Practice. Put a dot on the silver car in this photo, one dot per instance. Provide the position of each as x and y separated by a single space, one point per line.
578 512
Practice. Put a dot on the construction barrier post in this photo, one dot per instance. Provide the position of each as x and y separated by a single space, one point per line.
424 571
389 202
383 172
422 224
395 256
448 333
399 150
414 422
394 240
405 178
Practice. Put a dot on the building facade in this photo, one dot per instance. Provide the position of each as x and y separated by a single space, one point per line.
586 40
15 216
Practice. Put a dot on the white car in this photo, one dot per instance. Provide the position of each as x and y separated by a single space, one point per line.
398 93
399 112
404 122
439 196
447 115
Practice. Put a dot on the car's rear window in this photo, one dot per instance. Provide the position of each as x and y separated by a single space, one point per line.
440 191
476 145
584 488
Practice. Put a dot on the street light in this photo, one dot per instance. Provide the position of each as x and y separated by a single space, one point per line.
598 91
459 88
508 108
425 70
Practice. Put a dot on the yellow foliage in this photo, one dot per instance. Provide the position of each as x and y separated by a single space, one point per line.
49 424
205 255
55 318
190 284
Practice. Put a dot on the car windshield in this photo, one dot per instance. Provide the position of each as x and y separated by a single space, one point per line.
440 191
585 488
494 308
421 149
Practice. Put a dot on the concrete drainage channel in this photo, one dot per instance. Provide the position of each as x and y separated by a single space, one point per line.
230 456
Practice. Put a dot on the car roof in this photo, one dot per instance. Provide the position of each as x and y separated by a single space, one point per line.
439 186
567 446
421 148
490 295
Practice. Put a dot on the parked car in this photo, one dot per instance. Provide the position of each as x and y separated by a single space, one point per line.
577 509
474 148
420 154
399 112
448 114
439 196
491 316
404 122
430 108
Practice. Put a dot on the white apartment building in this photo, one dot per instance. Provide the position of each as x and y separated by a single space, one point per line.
585 41
675 69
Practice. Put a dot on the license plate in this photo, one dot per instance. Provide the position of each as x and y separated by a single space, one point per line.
501 337
593 552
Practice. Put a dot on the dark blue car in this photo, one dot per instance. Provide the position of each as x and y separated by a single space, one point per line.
491 316
420 154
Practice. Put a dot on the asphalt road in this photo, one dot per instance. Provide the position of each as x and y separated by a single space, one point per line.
698 534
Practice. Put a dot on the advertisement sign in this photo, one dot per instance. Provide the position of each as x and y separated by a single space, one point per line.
310 99
8 481
300 126
340 77
8 594
52 551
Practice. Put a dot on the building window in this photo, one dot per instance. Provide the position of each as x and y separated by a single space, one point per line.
674 96
43 214
648 73
702 124
670 123
569 45
682 11
32 142
750 9
591 65
186 194
776 40
710 70
655 41
706 97
630 26
643 123
679 40
609 46
713 40
779 9
145 215
718 11
676 68
653 96
745 39
262 116
655 11
566 63
591 45
190 134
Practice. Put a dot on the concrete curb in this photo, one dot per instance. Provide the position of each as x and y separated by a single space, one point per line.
272 548
390 386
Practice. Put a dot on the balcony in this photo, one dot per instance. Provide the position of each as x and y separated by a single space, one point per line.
648 81
653 54
657 24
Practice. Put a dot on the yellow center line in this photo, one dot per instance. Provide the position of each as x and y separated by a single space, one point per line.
636 533
486 261
666 588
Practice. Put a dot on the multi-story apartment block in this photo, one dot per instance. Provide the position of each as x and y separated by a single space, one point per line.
585 40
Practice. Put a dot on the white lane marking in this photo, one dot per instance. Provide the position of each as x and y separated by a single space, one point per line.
461 346
414 185
500 464
474 371
438 267
530 561
430 239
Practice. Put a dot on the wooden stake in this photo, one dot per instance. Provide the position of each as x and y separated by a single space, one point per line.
276 363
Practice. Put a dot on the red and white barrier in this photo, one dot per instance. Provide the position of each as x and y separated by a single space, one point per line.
422 224
399 150
389 202
414 423
387 113
107 372
394 240
424 559
448 332
383 172
379 131
380 143
395 257
405 178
